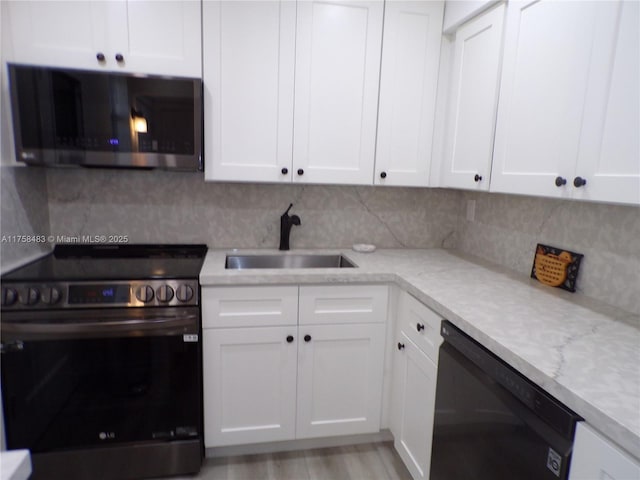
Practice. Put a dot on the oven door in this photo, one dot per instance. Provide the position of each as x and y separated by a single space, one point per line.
100 377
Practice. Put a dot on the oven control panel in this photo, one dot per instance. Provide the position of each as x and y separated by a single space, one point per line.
142 293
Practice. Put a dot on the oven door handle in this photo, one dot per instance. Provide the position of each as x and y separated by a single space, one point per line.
136 327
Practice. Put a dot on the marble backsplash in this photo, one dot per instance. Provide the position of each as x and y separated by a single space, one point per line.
23 197
180 207
507 228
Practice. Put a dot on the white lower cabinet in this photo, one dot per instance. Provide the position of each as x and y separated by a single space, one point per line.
414 384
594 457
283 374
339 379
250 385
414 404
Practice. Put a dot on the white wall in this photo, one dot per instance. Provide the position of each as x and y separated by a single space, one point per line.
23 192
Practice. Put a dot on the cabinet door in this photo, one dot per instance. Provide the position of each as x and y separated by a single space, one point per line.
340 369
338 45
596 458
248 70
408 81
473 101
152 37
162 38
413 407
547 56
249 385
610 147
57 33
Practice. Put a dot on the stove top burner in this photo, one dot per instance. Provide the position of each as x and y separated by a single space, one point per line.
113 262
130 251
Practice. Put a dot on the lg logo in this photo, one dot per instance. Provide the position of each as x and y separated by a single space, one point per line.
107 435
554 462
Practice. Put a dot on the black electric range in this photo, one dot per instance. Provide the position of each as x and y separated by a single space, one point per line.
101 361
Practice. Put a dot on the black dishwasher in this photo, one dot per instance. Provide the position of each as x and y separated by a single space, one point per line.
491 423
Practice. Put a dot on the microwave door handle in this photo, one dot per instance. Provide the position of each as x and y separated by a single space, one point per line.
157 326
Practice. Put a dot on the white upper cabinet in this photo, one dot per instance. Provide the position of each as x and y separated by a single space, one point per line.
158 37
544 81
408 84
609 157
568 109
253 51
459 11
473 101
133 36
67 34
248 69
338 45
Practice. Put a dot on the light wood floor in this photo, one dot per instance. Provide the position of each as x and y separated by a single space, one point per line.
370 461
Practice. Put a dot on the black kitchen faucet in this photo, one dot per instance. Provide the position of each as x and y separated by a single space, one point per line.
286 222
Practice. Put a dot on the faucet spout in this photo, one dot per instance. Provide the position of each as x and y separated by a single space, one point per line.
286 222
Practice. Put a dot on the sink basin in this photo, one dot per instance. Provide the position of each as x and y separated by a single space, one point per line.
241 262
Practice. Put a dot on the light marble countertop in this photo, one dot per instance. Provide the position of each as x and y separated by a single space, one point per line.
15 465
584 353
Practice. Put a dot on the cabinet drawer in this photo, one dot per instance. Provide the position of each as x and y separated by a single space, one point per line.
249 306
420 324
343 304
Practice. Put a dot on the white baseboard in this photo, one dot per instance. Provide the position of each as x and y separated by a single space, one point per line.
292 445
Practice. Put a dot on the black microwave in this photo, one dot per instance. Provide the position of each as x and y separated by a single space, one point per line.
66 117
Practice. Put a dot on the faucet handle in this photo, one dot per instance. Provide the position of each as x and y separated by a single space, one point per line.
287 212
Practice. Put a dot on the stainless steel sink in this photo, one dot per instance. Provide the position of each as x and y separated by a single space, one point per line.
241 262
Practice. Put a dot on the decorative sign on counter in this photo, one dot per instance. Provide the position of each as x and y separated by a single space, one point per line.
556 267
